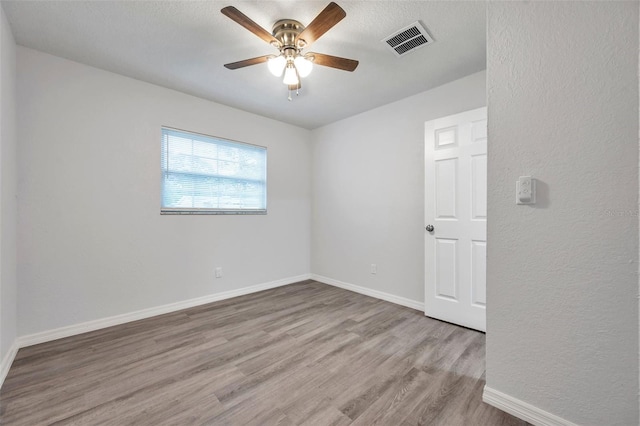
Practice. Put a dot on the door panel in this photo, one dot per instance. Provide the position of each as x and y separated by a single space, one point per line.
456 206
446 175
478 273
446 259
479 187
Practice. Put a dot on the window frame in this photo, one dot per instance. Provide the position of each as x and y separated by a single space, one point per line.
208 211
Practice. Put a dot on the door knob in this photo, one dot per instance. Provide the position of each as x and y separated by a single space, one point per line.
429 228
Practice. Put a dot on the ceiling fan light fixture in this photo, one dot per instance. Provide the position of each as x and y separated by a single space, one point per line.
290 37
276 65
290 75
303 65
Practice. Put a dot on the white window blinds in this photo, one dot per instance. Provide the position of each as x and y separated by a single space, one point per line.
208 175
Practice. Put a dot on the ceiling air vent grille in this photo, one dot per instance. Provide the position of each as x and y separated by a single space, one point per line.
408 39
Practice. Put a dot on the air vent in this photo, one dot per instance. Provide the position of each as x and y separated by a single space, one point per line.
408 39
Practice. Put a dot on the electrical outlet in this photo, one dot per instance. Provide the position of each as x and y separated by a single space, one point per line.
218 272
374 268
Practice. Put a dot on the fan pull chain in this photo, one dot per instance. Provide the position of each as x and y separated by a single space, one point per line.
289 91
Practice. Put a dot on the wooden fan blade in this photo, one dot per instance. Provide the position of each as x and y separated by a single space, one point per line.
246 22
322 23
333 61
247 62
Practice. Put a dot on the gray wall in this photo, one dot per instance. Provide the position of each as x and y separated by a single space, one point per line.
92 242
8 200
562 325
368 190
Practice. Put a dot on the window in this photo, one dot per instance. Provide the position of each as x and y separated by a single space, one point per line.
208 175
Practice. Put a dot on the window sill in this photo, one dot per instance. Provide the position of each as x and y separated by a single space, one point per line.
211 212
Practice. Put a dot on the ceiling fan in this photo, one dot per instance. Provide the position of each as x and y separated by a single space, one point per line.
290 37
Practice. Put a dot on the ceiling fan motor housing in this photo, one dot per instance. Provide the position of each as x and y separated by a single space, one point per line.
286 31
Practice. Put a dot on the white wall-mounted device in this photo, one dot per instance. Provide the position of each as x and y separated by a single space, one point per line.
525 190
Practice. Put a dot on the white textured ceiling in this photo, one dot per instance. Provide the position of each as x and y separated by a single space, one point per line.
183 45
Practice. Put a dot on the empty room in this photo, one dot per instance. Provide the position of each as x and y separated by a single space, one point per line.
319 213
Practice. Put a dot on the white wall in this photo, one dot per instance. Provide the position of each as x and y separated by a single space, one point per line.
92 242
368 190
562 325
8 202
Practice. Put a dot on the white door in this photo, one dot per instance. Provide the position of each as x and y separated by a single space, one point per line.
456 218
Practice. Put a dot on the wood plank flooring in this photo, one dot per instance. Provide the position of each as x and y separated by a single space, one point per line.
306 353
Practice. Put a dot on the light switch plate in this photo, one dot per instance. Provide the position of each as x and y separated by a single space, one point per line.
525 190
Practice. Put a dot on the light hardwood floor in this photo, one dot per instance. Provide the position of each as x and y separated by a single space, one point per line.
306 353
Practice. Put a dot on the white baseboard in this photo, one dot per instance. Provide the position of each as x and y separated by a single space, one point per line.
7 360
522 410
72 330
413 304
